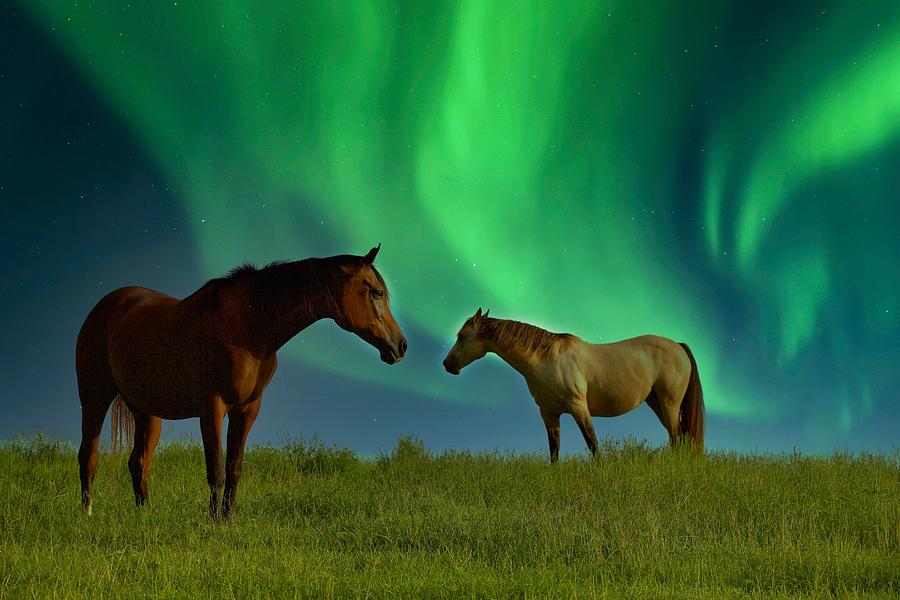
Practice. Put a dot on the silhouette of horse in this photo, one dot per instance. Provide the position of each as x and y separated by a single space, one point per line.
212 354
565 374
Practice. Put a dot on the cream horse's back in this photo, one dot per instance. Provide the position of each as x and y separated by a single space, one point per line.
623 374
566 374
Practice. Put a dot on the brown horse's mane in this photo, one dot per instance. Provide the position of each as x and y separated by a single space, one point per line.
280 276
248 267
521 336
238 273
243 270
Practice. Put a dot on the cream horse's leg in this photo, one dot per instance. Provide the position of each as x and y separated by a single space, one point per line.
667 412
551 421
582 417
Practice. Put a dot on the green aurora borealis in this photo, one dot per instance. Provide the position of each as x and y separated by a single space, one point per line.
725 176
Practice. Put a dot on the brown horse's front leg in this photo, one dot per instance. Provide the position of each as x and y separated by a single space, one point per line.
211 430
240 420
551 421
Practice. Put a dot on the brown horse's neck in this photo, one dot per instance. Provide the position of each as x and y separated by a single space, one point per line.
313 292
280 301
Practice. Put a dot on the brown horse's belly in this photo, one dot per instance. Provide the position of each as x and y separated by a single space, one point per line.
160 398
181 408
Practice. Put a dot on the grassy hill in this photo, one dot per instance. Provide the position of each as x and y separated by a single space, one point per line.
318 522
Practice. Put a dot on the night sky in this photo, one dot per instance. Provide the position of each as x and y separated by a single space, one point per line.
725 176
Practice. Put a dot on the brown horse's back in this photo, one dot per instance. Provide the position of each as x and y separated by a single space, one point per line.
127 342
92 348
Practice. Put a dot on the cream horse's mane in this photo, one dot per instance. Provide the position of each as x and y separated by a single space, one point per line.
524 337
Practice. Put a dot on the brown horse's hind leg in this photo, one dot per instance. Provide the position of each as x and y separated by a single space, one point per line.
240 420
146 437
95 401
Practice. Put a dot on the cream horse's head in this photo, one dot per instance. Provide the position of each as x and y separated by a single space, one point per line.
469 346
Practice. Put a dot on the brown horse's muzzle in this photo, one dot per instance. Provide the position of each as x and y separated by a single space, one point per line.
393 352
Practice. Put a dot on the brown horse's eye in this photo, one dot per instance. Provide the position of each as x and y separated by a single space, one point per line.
377 293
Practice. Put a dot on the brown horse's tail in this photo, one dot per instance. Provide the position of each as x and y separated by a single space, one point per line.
691 417
122 422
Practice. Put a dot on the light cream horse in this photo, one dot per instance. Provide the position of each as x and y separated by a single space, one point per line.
565 374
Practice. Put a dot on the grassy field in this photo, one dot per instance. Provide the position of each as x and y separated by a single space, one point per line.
317 522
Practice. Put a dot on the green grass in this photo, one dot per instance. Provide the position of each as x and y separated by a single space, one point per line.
317 522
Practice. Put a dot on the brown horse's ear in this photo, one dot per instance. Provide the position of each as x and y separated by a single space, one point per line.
486 313
477 315
370 257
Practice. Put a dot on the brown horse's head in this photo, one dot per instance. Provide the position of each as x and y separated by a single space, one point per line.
364 309
469 346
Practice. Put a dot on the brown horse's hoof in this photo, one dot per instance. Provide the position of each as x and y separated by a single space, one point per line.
86 503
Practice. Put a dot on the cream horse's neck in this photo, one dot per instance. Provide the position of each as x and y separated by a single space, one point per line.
522 361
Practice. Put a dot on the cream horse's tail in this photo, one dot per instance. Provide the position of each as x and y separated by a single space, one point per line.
691 417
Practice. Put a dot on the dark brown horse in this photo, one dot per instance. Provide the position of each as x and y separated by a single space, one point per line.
212 354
